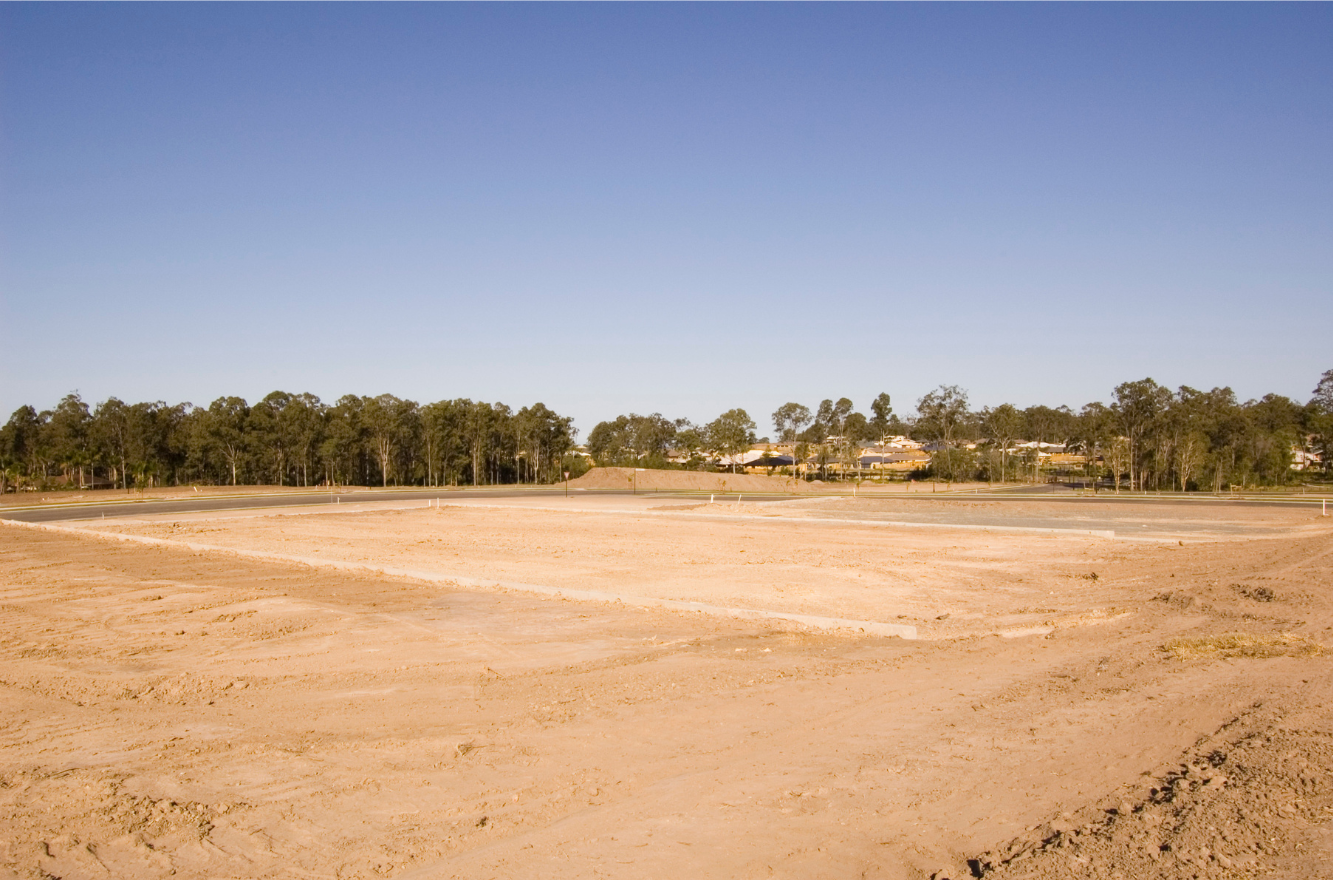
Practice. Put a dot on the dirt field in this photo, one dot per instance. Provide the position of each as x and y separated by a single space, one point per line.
1154 704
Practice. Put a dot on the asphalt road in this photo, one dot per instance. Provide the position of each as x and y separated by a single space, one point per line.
66 512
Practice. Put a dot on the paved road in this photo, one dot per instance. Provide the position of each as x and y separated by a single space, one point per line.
65 512
96 510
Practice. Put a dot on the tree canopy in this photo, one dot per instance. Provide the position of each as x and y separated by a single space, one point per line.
284 439
1153 436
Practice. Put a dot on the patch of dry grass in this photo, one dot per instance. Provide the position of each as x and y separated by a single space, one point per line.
1250 645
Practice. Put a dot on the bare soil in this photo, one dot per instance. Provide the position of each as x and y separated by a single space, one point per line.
184 711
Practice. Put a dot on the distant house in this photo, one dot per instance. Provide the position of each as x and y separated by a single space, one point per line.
896 461
1047 448
1301 460
744 459
769 463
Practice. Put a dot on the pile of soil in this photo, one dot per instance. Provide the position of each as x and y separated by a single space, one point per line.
655 480
1240 806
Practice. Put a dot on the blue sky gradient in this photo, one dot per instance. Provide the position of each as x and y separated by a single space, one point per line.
675 208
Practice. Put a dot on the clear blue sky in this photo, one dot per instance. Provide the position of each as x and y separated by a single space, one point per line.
675 208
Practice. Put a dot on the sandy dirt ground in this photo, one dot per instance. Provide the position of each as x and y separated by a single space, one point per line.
174 710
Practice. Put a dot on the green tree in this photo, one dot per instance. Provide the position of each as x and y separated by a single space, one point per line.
881 418
1137 407
70 431
22 444
301 423
220 433
731 434
343 449
1001 426
1093 430
386 421
942 412
790 419
268 431
111 428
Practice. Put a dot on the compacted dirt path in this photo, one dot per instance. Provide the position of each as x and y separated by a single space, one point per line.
169 712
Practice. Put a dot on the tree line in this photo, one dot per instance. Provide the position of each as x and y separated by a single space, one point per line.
286 440
1147 436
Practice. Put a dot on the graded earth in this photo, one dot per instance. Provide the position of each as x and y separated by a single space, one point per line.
656 686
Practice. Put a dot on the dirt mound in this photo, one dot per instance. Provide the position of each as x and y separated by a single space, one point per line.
655 480
1258 806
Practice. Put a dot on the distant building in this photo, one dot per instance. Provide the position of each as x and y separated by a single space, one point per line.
1301 460
909 460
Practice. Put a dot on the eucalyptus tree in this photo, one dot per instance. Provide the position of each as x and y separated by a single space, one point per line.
24 443
1223 422
1137 407
1001 426
790 419
219 434
882 421
1118 459
855 428
111 428
942 413
302 423
71 436
407 456
386 421
731 434
632 439
1323 393
691 439
1093 430
501 442
157 443
441 439
609 441
269 433
342 452
832 417
546 437
1321 420
477 432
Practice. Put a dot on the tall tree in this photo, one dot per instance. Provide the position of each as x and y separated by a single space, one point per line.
111 426
269 433
385 418
1001 426
302 425
731 434
222 432
942 413
881 417
70 431
1137 407
790 419
1093 430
